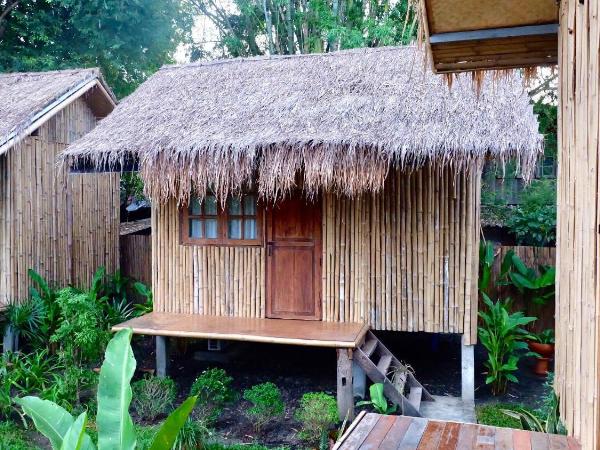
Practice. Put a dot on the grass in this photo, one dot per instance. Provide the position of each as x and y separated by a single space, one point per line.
492 415
13 438
216 446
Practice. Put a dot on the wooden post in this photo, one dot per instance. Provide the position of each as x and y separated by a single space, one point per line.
468 371
161 356
345 394
10 340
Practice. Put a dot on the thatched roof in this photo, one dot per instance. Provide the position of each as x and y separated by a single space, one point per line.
26 98
341 119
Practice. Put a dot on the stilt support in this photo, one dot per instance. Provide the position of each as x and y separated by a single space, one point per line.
162 356
468 371
10 342
345 394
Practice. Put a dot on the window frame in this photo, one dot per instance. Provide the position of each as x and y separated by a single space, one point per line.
222 218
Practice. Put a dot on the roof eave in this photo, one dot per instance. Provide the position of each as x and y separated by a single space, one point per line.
105 101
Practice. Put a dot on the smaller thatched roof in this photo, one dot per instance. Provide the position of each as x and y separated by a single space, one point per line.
342 120
27 98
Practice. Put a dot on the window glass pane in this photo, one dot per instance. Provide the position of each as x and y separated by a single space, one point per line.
250 229
196 228
210 226
195 207
234 229
235 206
250 205
210 205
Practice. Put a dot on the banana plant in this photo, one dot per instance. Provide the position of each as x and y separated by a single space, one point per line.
378 400
486 262
115 426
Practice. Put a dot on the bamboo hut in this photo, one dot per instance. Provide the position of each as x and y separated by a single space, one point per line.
62 226
342 189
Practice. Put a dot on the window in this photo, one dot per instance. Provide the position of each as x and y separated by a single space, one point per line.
206 223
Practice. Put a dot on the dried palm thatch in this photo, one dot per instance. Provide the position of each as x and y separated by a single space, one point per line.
341 120
25 96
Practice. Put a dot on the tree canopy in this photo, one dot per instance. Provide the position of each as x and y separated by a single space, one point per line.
127 39
256 27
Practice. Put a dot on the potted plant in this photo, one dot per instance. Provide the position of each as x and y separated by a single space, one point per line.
543 345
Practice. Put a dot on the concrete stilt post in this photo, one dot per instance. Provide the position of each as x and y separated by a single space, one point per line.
10 342
468 371
162 356
345 394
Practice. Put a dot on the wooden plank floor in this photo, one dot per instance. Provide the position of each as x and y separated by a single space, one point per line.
374 431
276 331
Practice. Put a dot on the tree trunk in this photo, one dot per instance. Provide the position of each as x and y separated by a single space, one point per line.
269 26
289 17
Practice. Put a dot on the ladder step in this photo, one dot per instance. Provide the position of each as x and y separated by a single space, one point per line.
369 346
384 364
414 397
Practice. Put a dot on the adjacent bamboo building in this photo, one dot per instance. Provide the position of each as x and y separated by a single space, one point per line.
340 187
63 226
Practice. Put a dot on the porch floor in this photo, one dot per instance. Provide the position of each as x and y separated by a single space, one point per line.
373 431
276 331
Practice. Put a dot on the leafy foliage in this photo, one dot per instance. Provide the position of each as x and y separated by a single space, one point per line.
378 400
146 293
533 222
545 337
256 27
531 421
494 415
128 39
115 427
539 287
153 396
13 438
192 435
317 413
503 336
266 404
213 389
486 262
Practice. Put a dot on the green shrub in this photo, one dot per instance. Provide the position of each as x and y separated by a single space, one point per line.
213 389
153 396
493 415
13 438
192 436
317 413
145 436
266 404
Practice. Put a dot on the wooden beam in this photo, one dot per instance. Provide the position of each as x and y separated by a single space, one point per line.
494 33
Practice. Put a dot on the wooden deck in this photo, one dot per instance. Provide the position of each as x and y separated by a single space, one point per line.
275 331
374 431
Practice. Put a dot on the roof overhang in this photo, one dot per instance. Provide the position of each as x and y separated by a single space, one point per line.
467 35
97 95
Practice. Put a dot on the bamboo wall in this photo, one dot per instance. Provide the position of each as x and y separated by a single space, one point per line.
63 226
404 259
578 248
135 252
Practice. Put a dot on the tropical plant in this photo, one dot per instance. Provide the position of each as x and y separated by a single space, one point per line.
378 400
266 404
503 336
551 423
317 413
146 293
544 337
115 427
533 222
213 389
539 288
153 396
486 262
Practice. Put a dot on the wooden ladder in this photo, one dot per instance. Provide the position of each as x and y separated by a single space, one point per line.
371 350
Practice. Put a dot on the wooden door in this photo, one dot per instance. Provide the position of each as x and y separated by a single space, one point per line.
294 259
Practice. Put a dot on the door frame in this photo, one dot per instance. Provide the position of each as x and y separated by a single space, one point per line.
317 265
